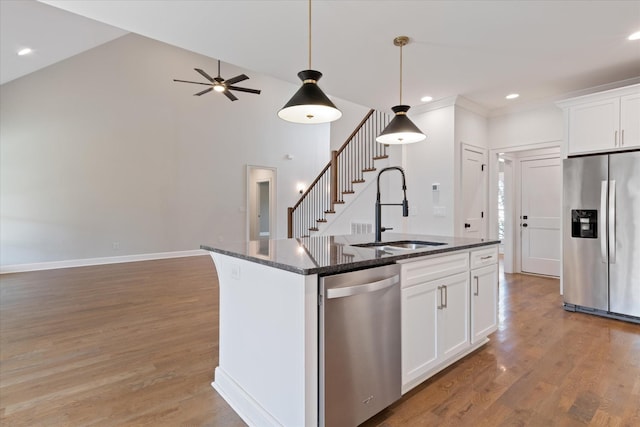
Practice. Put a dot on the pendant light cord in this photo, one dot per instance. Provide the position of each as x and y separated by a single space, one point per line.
401 74
309 34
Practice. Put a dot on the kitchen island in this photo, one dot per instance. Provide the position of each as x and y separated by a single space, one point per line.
268 346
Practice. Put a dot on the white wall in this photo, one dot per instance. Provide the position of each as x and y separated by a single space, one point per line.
535 126
427 162
104 155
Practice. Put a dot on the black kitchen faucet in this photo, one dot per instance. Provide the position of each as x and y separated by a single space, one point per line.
404 204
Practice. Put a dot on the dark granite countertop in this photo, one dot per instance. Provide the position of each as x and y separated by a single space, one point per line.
325 255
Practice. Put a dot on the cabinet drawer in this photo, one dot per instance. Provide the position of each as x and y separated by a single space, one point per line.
425 270
482 257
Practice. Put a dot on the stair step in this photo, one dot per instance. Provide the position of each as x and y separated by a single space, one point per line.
339 202
331 211
358 181
321 220
348 192
381 157
313 228
369 170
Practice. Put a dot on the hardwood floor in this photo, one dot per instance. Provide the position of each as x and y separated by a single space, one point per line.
136 344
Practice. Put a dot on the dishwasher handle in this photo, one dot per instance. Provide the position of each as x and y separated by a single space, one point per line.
363 288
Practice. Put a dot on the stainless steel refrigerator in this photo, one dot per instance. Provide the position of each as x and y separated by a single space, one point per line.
601 235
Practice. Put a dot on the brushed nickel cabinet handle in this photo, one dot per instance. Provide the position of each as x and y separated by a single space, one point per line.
477 279
622 138
615 139
446 297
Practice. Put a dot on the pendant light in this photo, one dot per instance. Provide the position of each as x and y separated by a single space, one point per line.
309 104
400 129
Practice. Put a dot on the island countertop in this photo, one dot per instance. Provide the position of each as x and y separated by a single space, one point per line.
325 255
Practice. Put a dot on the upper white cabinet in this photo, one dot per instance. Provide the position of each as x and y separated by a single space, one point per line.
630 120
603 122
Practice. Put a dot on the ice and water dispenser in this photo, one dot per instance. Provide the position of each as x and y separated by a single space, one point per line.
584 223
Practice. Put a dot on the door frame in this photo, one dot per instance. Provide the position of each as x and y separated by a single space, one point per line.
252 182
515 154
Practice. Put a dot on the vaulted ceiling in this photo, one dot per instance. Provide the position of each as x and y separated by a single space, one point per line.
482 50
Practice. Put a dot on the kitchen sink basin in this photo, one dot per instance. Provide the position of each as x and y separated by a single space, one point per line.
407 245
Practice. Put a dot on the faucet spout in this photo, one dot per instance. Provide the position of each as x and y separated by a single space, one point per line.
378 212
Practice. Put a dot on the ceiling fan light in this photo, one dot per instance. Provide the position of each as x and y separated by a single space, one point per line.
309 104
218 87
400 129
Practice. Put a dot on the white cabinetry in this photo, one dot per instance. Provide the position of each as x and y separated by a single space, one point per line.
435 314
453 316
605 121
449 307
484 293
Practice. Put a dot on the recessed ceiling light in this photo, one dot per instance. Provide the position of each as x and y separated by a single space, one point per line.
25 51
426 99
634 36
512 96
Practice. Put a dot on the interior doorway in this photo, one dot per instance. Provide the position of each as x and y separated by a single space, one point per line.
261 202
536 246
540 207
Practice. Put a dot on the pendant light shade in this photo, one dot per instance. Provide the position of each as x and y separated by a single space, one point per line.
309 105
400 129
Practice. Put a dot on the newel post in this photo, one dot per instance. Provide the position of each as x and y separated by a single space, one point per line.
289 223
334 179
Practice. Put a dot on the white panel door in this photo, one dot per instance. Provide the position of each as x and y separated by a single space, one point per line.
540 223
474 194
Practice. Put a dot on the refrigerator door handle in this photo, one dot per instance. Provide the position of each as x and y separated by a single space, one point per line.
602 221
612 221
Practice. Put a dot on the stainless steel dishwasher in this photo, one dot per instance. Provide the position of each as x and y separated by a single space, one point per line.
360 371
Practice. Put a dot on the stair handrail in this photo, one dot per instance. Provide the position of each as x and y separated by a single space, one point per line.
332 180
338 151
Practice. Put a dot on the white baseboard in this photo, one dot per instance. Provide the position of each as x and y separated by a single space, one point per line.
20 268
242 403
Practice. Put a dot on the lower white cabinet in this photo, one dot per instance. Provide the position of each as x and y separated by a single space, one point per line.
435 324
484 302
448 310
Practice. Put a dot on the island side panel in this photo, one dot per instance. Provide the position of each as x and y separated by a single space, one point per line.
268 343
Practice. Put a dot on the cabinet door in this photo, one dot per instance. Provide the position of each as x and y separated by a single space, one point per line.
594 126
484 302
630 121
453 330
419 338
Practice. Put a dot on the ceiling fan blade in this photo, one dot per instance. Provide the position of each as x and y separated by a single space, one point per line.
236 79
205 75
230 95
244 89
187 81
203 92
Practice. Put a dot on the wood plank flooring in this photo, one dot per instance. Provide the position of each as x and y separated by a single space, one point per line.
137 344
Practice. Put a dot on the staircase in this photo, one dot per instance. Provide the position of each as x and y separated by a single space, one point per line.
346 168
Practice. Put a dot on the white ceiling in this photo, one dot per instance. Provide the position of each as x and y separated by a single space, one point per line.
52 33
481 50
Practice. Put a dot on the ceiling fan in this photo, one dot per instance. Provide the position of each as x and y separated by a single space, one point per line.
219 84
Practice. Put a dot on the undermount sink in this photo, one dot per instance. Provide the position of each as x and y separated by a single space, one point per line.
408 245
